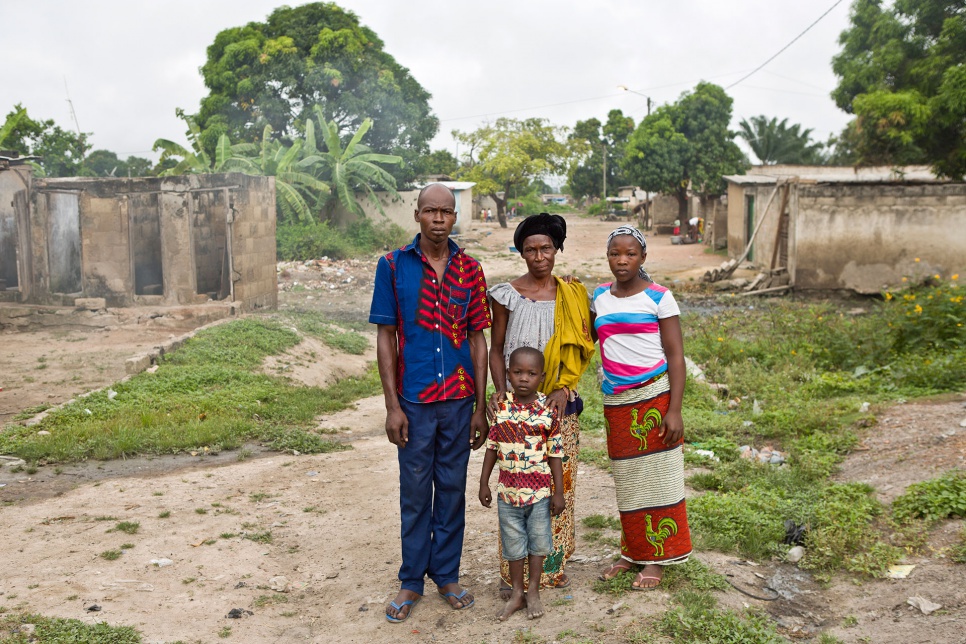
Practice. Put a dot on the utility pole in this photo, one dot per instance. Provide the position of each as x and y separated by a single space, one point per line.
603 196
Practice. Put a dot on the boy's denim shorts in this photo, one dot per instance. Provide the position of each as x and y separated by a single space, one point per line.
525 531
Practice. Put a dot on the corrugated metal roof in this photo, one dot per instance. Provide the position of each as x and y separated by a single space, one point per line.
837 174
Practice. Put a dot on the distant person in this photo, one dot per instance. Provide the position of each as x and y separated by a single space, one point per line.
525 440
642 355
430 306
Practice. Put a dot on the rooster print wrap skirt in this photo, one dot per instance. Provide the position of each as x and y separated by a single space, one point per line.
648 475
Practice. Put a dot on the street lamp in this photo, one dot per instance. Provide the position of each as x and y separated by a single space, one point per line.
625 88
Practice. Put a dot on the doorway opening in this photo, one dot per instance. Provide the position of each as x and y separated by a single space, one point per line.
145 216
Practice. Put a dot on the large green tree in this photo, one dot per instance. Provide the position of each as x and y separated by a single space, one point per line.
902 73
105 163
601 143
685 146
62 151
511 153
774 141
276 72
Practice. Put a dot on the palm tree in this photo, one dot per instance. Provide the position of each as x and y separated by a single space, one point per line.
777 142
351 168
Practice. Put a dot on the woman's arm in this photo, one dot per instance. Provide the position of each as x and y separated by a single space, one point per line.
673 428
500 316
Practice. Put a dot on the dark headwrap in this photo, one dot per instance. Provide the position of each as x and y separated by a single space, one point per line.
639 236
553 226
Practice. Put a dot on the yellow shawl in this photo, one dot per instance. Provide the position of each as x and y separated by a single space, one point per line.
570 348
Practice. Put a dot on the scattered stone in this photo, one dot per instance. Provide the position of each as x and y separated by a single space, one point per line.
332 575
864 408
312 474
238 613
11 461
962 423
162 562
152 368
795 554
91 303
43 432
241 584
364 608
924 605
279 584
93 608
747 423
111 394
616 607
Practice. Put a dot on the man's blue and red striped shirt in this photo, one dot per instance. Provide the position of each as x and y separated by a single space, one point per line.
432 320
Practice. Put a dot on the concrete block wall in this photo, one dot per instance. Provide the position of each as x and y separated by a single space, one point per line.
865 238
253 243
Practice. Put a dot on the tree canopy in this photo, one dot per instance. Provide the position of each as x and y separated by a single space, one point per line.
777 142
511 153
602 141
902 73
276 72
685 146
62 151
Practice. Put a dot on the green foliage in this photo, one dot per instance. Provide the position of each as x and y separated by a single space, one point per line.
928 318
315 239
511 153
936 499
127 527
318 54
104 163
686 145
902 72
309 323
696 620
592 141
206 395
436 162
777 142
62 151
52 630
599 521
958 551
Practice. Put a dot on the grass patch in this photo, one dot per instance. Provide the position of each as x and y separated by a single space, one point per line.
208 394
30 412
111 555
65 631
599 522
308 322
932 500
259 537
127 527
696 619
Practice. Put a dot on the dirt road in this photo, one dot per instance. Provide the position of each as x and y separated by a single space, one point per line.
309 544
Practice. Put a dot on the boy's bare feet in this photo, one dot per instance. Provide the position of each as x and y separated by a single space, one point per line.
534 605
517 601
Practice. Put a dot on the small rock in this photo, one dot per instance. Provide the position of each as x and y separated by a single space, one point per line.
27 629
756 408
238 613
615 608
332 575
864 408
111 394
152 368
364 608
88 411
279 584
795 554
162 562
962 423
241 584
93 608
43 432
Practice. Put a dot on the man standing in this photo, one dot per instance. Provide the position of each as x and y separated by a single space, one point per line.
430 306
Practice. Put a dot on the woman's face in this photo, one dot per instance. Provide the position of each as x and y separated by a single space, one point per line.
625 256
538 252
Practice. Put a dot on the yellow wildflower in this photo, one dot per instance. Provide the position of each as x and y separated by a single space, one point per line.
720 339
888 296
937 276
794 353
918 309
904 279
917 260
955 276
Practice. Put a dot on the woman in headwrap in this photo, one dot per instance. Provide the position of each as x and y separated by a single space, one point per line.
552 315
642 354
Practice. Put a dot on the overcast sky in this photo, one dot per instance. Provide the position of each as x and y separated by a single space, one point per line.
128 65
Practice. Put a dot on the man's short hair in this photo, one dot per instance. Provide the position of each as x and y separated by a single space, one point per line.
419 197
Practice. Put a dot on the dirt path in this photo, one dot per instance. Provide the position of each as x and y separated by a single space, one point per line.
328 524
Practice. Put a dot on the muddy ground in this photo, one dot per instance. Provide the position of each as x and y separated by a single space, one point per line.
309 544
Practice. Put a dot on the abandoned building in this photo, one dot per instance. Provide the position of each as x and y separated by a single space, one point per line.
843 228
152 241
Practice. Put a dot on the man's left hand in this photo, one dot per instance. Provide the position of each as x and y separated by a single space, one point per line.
478 428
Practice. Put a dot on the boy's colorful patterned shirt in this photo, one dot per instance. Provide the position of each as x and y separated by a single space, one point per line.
524 437
432 320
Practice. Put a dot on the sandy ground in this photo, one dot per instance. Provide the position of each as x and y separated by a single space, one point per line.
309 544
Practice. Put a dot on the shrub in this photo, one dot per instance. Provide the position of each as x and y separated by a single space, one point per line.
933 500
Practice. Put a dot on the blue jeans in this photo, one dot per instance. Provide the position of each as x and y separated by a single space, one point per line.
432 491
525 530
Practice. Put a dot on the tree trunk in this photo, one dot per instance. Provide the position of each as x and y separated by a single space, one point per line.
500 208
682 196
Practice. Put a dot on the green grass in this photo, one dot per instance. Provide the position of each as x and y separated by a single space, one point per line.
65 631
309 323
696 619
127 527
939 498
208 394
599 522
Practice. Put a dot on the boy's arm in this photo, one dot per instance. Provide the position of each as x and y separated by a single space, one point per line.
557 502
489 460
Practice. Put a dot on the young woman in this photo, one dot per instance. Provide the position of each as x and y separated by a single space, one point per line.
642 353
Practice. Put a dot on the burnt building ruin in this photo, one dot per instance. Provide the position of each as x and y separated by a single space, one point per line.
150 241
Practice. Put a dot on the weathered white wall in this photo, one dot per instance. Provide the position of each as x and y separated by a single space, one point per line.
868 237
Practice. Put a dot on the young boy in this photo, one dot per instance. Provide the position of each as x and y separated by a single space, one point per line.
525 438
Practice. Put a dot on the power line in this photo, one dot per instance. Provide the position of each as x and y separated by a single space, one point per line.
757 69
